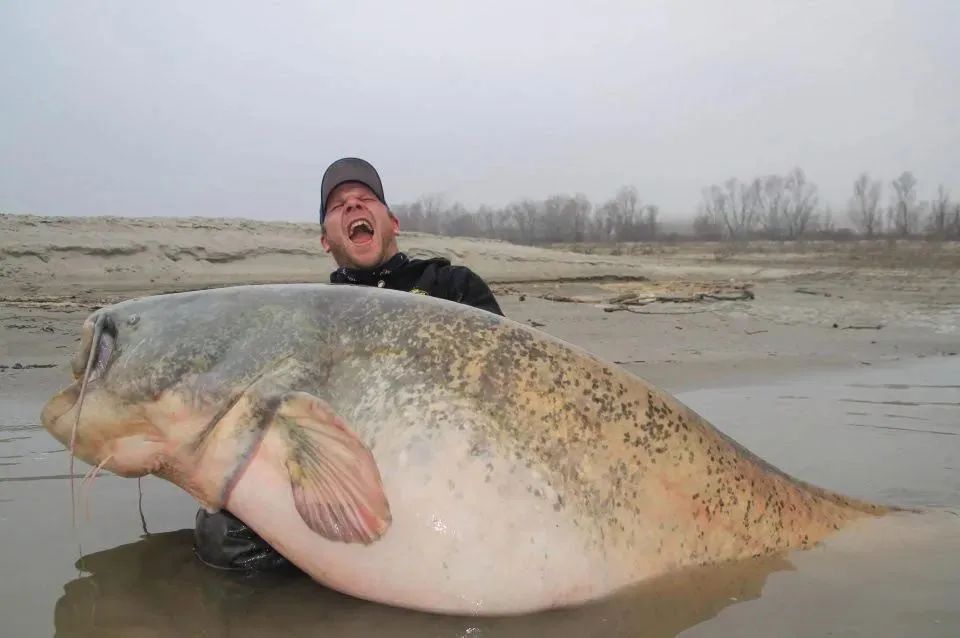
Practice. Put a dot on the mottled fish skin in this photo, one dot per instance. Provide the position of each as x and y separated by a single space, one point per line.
609 444
645 481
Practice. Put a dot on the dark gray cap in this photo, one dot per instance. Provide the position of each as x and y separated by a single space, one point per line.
349 169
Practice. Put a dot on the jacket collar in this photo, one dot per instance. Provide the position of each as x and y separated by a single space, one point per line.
372 276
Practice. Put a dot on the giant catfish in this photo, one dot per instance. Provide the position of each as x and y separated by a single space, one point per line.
422 453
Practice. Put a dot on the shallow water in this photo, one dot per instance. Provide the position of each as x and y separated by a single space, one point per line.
889 434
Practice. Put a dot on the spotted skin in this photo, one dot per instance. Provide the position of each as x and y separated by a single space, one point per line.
611 444
489 417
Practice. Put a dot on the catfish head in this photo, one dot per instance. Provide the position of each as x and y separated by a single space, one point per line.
107 427
192 386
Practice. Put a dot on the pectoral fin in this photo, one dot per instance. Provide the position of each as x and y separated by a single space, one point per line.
336 483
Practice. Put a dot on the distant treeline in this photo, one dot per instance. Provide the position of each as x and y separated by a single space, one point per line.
768 207
558 218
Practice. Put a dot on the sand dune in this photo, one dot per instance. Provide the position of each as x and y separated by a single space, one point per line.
57 255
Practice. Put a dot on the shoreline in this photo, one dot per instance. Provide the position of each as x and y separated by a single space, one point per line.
677 314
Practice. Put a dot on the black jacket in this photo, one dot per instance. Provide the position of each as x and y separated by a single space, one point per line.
435 277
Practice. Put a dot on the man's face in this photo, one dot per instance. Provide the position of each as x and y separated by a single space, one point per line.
359 230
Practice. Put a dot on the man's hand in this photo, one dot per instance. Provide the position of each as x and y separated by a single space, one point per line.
223 541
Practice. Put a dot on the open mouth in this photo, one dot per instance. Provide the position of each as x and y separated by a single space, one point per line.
97 346
360 231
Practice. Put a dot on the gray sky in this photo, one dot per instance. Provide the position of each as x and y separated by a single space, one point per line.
235 108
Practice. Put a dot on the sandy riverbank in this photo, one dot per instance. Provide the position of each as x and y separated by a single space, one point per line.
684 315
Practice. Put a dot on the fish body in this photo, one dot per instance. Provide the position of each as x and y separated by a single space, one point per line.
421 453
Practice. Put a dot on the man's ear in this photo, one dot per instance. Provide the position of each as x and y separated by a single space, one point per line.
324 242
394 221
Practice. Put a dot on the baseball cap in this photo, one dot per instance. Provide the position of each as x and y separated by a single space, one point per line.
349 169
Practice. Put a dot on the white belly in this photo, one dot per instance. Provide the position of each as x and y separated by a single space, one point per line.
459 542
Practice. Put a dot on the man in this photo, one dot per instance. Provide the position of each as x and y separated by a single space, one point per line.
360 231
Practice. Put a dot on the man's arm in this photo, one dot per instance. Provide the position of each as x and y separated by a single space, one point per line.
223 541
467 287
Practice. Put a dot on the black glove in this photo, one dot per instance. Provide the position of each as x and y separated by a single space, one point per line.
223 541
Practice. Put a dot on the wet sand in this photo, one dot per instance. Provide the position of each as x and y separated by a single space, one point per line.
853 385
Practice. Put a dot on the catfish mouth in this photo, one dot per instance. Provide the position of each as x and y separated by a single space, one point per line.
360 231
97 347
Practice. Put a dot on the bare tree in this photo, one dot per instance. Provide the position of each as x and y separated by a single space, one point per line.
709 222
706 225
553 218
771 201
939 221
801 201
864 207
743 208
506 224
526 213
650 221
610 221
579 209
424 215
630 214
628 200
487 221
825 221
904 215
459 222
565 218
733 207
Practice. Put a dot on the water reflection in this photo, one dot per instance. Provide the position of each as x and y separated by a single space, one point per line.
155 587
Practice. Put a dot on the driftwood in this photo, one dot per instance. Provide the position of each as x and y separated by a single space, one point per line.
804 291
650 312
636 300
28 366
642 299
549 296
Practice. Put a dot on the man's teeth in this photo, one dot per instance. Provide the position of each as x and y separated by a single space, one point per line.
360 223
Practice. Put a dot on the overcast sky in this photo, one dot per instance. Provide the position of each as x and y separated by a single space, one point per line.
236 108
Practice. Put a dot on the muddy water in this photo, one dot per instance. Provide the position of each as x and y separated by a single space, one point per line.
891 434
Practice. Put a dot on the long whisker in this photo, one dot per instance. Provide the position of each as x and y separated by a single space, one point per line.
92 474
87 483
143 520
86 477
94 348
